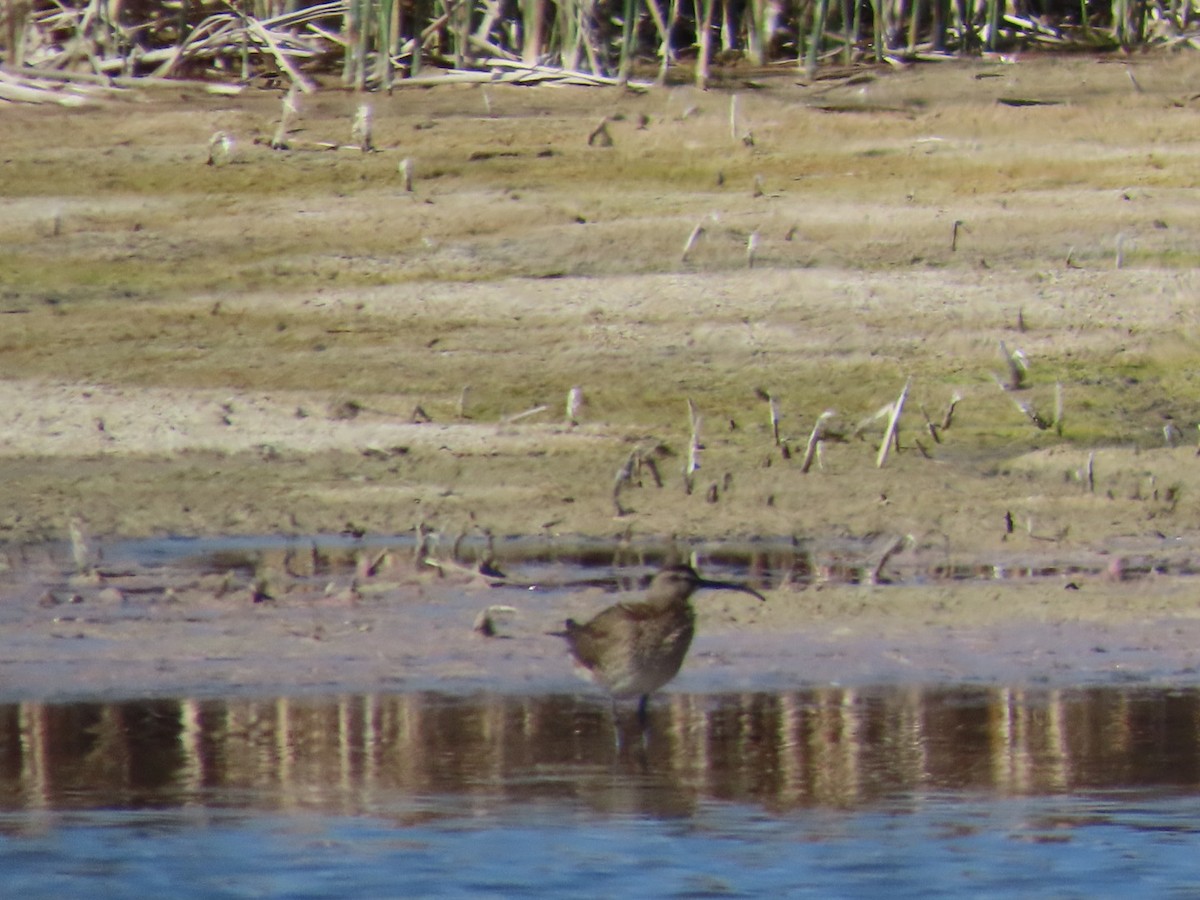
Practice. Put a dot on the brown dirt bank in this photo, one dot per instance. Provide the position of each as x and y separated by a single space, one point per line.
290 343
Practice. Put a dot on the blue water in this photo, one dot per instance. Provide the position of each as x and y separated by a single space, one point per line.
926 846
890 792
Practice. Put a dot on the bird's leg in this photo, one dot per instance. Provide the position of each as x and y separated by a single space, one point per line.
642 714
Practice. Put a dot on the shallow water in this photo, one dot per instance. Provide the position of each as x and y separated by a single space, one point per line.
827 793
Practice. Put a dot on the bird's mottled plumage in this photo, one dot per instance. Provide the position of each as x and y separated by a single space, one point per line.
635 647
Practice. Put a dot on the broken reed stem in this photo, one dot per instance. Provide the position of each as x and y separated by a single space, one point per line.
360 130
958 223
897 544
1018 367
693 458
889 436
524 415
641 457
575 401
290 108
691 241
949 416
929 426
79 548
624 477
814 440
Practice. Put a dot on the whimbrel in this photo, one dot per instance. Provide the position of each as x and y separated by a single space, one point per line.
635 647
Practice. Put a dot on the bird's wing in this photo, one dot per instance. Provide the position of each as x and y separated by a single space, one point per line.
587 641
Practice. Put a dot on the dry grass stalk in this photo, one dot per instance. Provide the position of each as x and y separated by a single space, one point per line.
815 439
575 404
289 110
863 424
640 458
220 149
773 408
600 136
1027 409
1018 367
362 37
533 411
930 426
890 433
81 555
360 129
696 234
692 465
898 543
949 416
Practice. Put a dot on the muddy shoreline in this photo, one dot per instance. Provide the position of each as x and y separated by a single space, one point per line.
289 343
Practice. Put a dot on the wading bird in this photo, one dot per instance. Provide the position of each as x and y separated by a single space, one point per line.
635 647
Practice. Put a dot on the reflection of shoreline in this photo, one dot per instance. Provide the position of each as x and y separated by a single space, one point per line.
829 747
